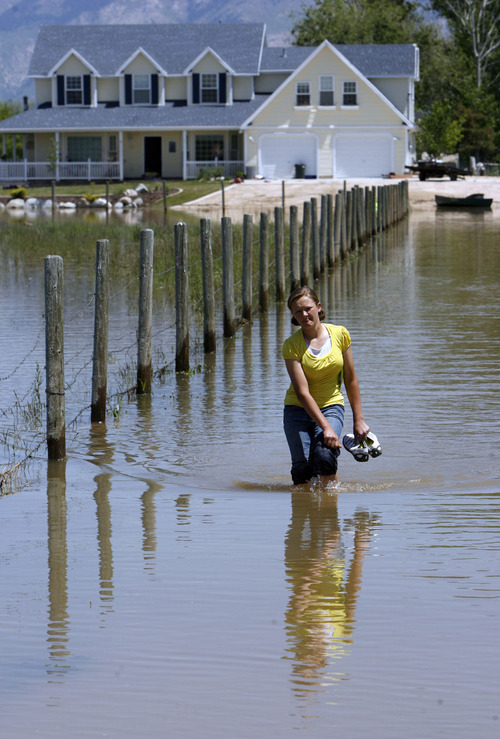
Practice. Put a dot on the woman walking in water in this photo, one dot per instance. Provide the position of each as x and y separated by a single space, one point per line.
318 359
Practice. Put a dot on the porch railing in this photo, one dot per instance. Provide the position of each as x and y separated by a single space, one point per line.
194 170
25 171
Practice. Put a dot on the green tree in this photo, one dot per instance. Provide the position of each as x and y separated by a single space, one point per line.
357 22
8 108
440 131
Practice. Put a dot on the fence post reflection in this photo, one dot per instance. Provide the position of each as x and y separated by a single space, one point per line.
58 621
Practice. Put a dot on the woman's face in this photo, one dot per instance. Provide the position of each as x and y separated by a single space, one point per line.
305 311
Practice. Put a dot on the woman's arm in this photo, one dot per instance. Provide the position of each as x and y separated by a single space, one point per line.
360 428
301 387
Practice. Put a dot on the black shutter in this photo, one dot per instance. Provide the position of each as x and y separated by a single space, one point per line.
86 89
128 89
196 88
60 89
222 88
154 89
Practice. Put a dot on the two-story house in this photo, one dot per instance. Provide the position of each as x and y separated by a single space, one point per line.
128 101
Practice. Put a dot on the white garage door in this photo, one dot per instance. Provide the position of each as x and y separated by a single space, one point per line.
278 154
363 155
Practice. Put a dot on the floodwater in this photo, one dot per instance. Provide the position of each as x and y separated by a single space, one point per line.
167 580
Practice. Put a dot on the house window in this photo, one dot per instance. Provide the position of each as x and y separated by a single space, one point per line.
303 93
74 90
209 147
209 89
172 147
82 148
326 90
350 94
141 89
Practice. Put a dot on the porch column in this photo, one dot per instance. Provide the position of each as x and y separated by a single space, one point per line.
57 139
4 145
120 153
184 154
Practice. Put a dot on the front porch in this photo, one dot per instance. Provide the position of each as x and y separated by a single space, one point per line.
26 172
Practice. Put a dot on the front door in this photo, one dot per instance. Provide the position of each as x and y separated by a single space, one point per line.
152 156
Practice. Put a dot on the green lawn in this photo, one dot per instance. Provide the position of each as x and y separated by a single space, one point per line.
185 190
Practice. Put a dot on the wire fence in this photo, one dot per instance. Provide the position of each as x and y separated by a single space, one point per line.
264 254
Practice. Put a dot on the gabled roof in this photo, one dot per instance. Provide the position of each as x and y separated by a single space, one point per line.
208 52
70 53
344 58
174 46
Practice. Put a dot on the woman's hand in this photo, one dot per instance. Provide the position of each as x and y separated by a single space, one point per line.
360 430
330 438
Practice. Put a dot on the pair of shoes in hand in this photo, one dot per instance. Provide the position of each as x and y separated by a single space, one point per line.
362 450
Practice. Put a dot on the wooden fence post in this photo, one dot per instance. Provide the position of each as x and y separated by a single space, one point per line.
246 269
264 262
209 341
315 238
306 243
330 234
228 278
279 246
181 299
294 248
323 233
54 356
145 337
100 357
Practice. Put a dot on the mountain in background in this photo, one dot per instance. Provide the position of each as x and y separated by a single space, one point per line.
21 21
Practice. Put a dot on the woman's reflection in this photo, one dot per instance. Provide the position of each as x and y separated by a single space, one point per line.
324 580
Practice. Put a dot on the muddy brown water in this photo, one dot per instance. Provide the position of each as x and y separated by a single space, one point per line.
167 581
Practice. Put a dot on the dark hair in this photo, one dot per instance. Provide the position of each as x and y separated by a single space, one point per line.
301 292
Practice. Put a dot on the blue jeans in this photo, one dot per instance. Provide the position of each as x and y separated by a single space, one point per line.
310 457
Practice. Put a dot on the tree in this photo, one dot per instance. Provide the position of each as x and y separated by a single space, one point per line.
440 131
8 108
476 25
357 22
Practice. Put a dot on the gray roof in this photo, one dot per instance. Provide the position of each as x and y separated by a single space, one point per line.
174 46
382 60
170 115
372 60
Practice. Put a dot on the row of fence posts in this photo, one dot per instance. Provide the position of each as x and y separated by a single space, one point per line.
345 222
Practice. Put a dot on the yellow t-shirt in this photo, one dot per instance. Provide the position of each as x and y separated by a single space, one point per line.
324 374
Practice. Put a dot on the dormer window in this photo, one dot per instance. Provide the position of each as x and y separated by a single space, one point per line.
209 88
74 90
141 89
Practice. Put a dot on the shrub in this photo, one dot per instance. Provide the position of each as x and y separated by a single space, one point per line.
18 192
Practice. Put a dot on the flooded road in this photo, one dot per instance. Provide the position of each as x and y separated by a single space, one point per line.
168 581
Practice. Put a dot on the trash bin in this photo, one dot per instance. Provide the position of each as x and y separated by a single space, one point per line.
251 172
300 171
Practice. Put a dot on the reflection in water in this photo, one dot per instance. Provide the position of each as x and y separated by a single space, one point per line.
102 454
324 587
58 621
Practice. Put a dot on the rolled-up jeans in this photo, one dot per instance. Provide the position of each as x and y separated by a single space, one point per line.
310 456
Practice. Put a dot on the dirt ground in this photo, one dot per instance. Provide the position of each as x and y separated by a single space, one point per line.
255 196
